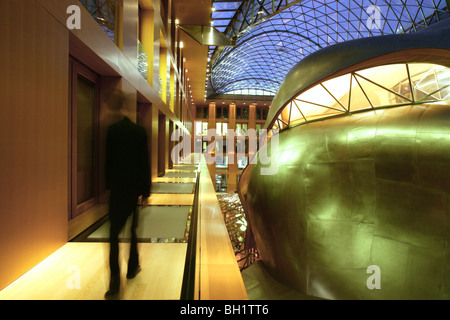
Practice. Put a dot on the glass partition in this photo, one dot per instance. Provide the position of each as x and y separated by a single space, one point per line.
221 183
382 86
221 162
142 61
105 13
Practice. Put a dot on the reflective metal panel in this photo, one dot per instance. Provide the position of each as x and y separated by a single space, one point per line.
207 35
368 189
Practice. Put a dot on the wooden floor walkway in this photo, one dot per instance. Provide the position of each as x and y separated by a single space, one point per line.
80 270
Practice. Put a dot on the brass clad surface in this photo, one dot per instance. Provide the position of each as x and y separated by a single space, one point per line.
207 35
365 189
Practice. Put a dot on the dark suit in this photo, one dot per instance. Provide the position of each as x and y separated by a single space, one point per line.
128 177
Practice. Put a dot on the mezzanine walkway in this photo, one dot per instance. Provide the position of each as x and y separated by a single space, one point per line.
79 270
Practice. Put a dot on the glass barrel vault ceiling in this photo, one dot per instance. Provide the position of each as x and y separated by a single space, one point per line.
274 35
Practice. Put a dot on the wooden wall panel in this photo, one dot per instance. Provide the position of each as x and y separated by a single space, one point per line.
34 136
34 125
107 117
161 144
167 144
154 148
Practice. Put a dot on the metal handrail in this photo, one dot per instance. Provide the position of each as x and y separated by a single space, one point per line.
188 286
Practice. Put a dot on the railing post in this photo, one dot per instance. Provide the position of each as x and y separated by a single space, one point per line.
188 286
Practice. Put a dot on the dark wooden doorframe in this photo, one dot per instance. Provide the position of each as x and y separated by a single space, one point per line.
78 70
143 118
161 145
171 144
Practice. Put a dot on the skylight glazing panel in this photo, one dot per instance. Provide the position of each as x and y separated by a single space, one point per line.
223 15
227 5
221 29
306 27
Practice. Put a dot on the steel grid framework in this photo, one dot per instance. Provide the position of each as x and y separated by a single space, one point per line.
273 36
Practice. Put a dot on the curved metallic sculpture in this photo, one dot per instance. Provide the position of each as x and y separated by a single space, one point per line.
359 207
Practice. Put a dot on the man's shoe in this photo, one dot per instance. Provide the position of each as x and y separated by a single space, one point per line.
132 273
114 287
112 294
